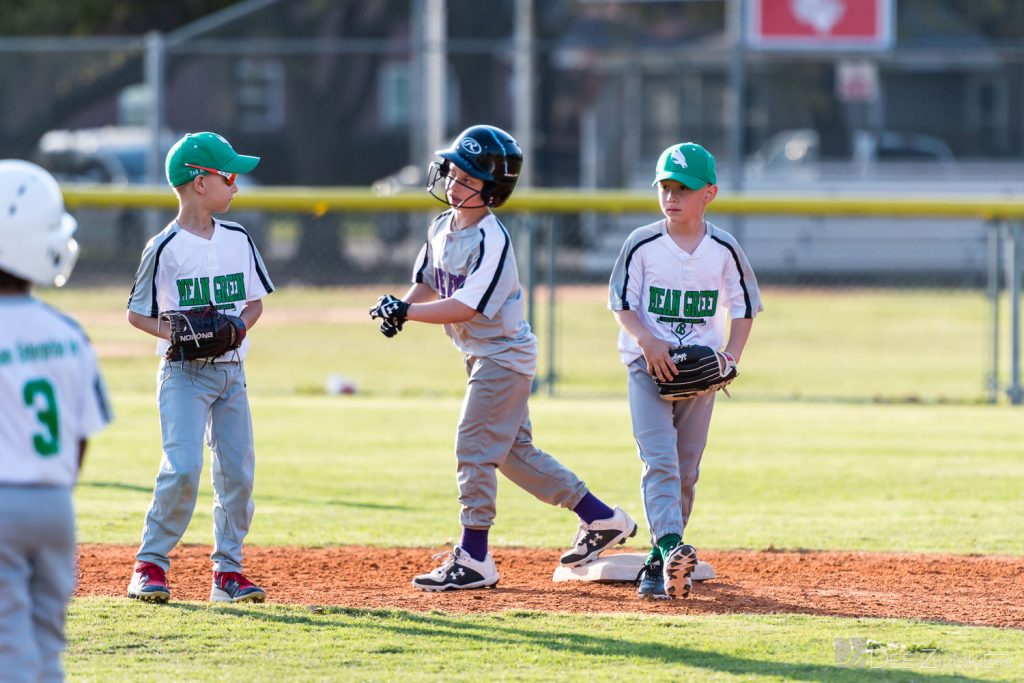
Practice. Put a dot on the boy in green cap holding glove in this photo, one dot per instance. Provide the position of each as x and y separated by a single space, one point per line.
676 282
195 262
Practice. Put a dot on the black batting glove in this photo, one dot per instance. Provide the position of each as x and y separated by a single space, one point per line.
391 308
390 328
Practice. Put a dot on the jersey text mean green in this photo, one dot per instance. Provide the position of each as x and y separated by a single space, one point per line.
696 304
195 291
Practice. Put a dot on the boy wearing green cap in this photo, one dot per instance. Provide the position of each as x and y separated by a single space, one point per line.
195 262
675 283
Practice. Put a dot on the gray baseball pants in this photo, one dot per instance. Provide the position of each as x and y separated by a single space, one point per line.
37 578
670 438
494 435
197 399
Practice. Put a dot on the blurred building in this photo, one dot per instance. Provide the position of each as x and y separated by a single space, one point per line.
332 92
336 93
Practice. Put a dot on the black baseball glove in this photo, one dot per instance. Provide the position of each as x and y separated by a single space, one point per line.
701 370
392 311
202 333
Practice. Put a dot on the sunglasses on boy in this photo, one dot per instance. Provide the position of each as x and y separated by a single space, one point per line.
229 177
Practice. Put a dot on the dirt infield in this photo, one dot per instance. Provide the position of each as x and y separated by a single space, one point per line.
983 591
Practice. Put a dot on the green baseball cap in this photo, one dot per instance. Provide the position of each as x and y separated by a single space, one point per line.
207 150
687 163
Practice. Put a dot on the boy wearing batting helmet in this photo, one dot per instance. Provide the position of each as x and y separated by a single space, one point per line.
195 262
466 279
53 399
675 283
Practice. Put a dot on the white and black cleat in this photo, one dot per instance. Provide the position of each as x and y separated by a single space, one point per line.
459 571
594 538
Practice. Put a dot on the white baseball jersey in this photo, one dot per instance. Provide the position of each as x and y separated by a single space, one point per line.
477 267
52 394
181 270
682 298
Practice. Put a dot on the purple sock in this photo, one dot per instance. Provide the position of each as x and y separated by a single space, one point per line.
474 542
590 509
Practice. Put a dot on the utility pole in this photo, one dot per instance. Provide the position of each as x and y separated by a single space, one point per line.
523 86
435 36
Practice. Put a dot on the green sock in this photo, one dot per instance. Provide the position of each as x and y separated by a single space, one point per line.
654 556
667 542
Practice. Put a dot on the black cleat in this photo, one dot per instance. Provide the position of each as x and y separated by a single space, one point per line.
651 582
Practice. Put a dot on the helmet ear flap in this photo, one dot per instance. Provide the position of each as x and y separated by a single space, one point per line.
487 193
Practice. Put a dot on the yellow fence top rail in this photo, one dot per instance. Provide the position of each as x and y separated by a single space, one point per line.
320 200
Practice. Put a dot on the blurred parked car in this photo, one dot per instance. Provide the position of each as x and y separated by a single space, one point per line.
797 156
116 156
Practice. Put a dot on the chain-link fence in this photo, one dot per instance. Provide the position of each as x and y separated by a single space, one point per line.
337 94
858 308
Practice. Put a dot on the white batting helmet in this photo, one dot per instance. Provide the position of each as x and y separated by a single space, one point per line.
36 241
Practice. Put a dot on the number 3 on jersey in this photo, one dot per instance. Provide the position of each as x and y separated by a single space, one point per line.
39 396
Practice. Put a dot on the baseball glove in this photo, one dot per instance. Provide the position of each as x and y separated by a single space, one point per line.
702 370
202 333
392 311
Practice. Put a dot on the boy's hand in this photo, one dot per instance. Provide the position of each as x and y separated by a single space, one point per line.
389 328
391 308
392 312
659 360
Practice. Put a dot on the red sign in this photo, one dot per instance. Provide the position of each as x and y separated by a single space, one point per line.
820 24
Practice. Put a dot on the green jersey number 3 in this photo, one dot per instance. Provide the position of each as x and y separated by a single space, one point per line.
39 395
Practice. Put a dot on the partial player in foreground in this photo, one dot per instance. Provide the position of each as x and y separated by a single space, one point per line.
53 399
199 289
466 279
673 285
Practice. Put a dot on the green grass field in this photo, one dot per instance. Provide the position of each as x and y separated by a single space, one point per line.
191 641
804 456
818 345
788 475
